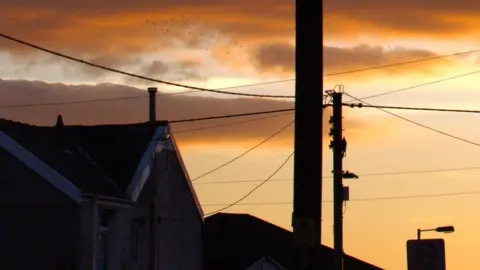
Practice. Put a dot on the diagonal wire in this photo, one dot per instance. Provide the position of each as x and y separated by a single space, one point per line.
232 123
255 188
419 85
417 124
245 153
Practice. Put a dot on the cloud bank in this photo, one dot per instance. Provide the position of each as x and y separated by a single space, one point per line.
169 107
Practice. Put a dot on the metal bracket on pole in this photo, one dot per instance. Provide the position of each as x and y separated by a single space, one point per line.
346 193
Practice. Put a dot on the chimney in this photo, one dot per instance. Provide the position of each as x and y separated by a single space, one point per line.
59 135
152 91
59 123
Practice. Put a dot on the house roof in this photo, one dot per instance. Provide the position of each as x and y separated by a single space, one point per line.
229 235
97 159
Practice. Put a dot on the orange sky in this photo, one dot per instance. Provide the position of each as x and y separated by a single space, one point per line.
213 43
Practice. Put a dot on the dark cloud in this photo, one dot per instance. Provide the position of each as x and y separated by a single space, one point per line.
120 26
183 70
410 18
275 57
101 29
133 27
171 107
177 70
187 68
281 57
156 68
112 61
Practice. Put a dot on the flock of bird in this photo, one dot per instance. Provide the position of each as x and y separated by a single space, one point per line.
194 36
206 39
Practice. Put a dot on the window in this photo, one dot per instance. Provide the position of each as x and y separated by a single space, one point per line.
101 252
104 222
137 249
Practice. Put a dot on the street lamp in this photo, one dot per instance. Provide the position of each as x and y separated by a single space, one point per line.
444 229
349 175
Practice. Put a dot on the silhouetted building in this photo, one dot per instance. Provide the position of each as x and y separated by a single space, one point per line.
244 242
96 197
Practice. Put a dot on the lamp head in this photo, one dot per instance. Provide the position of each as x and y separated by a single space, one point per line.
445 229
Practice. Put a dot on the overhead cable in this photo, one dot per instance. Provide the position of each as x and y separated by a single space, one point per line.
417 124
254 189
360 175
367 199
246 152
419 85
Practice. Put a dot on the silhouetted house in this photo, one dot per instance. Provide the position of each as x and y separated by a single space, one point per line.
96 197
244 242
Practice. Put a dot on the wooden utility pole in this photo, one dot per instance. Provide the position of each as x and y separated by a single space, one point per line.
307 194
339 147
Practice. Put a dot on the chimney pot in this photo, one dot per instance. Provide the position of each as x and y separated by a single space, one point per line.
152 91
59 121
59 133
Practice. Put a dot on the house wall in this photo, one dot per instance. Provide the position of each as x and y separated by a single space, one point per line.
142 218
178 223
39 225
180 229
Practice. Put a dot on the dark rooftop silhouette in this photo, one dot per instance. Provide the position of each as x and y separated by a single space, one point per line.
98 159
236 241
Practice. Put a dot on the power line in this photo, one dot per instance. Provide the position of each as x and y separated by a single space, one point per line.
361 105
87 101
254 189
197 89
361 175
136 75
420 85
366 105
244 153
229 116
231 124
385 66
378 67
233 87
68 102
248 85
418 124
403 63
363 199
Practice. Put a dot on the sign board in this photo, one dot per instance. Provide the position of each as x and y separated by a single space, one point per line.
426 254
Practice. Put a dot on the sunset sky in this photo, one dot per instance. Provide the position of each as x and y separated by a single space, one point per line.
217 43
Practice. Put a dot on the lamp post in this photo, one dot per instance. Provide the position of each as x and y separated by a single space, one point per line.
444 229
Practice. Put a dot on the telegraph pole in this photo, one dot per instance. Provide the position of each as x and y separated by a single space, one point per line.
338 144
307 194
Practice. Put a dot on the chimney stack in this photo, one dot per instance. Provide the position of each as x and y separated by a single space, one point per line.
152 92
59 123
59 133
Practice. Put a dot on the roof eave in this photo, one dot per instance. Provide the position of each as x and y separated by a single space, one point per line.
186 175
162 140
144 169
41 168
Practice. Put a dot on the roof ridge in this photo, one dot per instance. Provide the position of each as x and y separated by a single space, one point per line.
4 121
